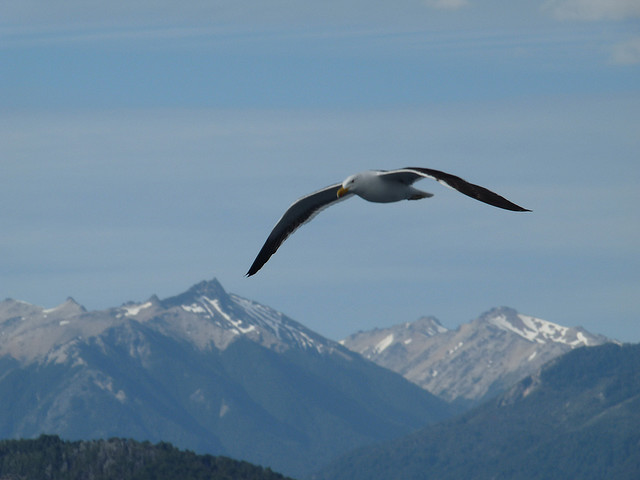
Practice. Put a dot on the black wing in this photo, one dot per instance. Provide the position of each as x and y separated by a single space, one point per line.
474 191
300 212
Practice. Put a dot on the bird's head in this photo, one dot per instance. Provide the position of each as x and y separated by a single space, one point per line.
348 186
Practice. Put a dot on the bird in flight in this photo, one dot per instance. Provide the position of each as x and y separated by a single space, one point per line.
380 186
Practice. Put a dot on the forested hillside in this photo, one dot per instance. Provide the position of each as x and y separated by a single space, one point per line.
578 417
117 459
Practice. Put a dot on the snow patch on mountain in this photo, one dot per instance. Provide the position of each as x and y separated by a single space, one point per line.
106 383
382 346
133 310
195 308
282 328
237 324
455 348
538 330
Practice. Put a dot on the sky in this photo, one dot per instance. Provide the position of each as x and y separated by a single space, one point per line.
146 146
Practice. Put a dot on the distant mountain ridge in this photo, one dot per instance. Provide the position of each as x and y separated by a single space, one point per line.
474 362
205 370
577 417
205 315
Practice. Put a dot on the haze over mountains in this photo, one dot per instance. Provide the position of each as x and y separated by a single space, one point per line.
204 370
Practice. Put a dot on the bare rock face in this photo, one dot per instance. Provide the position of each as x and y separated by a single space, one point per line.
476 361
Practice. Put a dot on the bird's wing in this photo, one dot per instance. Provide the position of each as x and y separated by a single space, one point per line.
299 213
410 174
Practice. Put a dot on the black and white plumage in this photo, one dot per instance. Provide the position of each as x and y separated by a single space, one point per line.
381 186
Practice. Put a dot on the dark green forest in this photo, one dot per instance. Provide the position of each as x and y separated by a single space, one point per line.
49 457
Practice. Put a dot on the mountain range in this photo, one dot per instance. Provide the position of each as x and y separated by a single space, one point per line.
474 362
205 370
577 417
217 373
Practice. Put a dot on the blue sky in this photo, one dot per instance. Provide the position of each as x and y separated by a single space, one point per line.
146 146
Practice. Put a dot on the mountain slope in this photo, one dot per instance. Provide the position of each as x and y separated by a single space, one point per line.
204 370
474 362
579 417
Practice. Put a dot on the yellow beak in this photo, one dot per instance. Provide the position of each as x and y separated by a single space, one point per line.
342 191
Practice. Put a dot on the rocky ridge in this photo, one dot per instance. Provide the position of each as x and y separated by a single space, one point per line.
475 361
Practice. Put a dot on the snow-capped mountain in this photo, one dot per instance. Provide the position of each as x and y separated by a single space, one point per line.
478 360
205 370
206 316
541 331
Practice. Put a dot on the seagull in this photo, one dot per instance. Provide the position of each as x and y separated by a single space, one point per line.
380 186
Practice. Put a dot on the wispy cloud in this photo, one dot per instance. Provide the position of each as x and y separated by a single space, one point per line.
591 10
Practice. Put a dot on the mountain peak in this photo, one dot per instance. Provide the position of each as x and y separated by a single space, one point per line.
67 308
538 330
429 326
208 287
10 308
211 289
475 361
206 315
